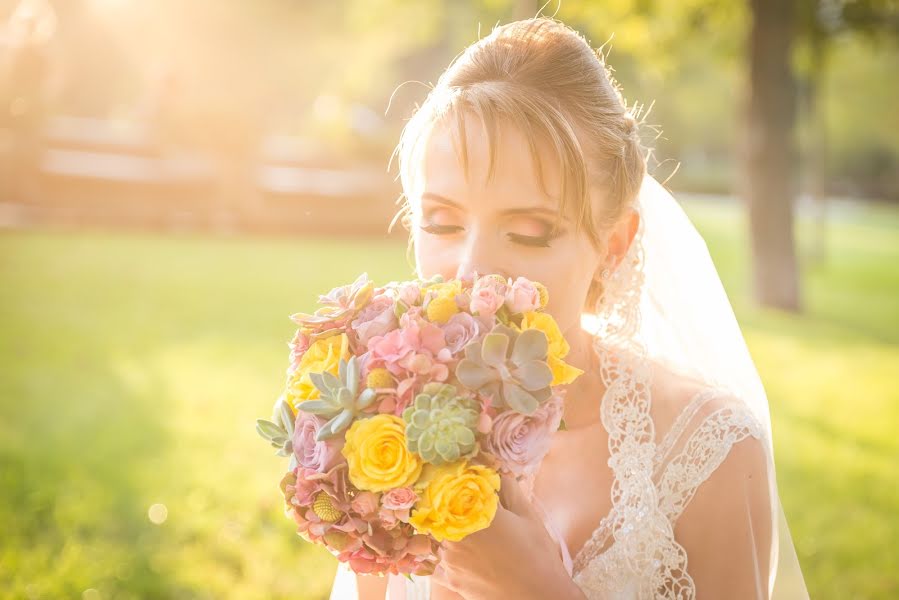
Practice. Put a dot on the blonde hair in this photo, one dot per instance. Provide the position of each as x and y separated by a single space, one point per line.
545 79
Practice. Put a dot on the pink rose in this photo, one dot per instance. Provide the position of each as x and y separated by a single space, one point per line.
522 296
461 329
399 498
485 300
365 503
410 294
377 318
312 454
521 441
395 506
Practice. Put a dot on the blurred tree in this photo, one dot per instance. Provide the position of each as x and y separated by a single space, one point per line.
770 159
820 23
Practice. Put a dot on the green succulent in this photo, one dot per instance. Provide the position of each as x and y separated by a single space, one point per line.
340 304
510 366
278 431
440 424
338 399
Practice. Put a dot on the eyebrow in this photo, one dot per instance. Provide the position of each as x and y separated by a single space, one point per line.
508 211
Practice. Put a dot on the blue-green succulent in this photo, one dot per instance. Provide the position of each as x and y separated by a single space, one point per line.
510 366
339 398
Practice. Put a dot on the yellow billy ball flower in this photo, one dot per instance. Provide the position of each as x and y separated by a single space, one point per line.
377 456
457 499
441 308
325 509
543 292
379 378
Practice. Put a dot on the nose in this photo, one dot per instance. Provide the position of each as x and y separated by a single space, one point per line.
478 258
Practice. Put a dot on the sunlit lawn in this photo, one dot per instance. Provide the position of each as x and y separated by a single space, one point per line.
132 368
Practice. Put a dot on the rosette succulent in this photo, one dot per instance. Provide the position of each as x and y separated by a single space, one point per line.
441 424
279 431
338 306
339 399
510 366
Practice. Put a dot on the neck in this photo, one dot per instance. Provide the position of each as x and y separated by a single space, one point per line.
584 394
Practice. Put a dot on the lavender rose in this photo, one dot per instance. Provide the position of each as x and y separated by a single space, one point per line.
375 319
311 454
521 441
461 329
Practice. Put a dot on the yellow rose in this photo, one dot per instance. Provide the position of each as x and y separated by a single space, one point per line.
563 373
376 452
457 499
323 355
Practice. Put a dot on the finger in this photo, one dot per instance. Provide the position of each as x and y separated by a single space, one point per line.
513 497
439 577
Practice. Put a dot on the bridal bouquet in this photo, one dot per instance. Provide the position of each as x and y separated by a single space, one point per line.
404 403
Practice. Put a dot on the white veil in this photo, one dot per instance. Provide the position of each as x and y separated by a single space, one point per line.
666 300
671 305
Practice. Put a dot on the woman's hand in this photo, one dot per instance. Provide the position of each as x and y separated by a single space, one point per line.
513 558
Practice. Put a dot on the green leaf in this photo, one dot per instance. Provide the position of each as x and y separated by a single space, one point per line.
331 381
493 349
317 407
352 375
268 429
530 345
318 382
533 375
519 400
366 398
286 417
472 375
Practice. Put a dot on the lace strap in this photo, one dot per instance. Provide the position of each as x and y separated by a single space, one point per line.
705 450
679 426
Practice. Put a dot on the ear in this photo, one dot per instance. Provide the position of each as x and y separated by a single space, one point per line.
619 242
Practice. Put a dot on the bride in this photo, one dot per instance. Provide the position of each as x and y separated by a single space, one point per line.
524 160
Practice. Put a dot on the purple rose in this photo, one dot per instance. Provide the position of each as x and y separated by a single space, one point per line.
375 319
312 454
521 441
461 329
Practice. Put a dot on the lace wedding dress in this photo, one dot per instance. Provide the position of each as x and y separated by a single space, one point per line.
663 306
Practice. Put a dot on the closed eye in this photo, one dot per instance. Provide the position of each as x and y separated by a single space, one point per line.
523 240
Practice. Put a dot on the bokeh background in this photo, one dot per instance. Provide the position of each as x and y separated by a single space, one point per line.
176 178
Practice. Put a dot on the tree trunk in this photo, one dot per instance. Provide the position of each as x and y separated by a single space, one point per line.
817 152
770 161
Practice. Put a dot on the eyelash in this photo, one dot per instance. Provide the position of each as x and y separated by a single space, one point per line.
524 240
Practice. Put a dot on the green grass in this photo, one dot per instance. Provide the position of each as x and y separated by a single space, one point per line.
133 366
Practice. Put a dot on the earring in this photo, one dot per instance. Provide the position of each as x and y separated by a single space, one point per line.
605 274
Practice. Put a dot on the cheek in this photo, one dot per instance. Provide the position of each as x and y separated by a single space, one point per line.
434 256
567 280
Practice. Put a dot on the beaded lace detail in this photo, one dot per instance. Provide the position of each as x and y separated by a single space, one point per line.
633 553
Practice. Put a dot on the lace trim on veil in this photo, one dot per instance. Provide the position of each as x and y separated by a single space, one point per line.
633 549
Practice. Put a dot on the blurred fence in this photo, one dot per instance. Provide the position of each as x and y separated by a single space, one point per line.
86 171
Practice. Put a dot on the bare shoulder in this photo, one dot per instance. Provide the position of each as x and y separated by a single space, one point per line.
726 529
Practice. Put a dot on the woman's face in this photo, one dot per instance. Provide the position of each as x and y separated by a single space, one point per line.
503 226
